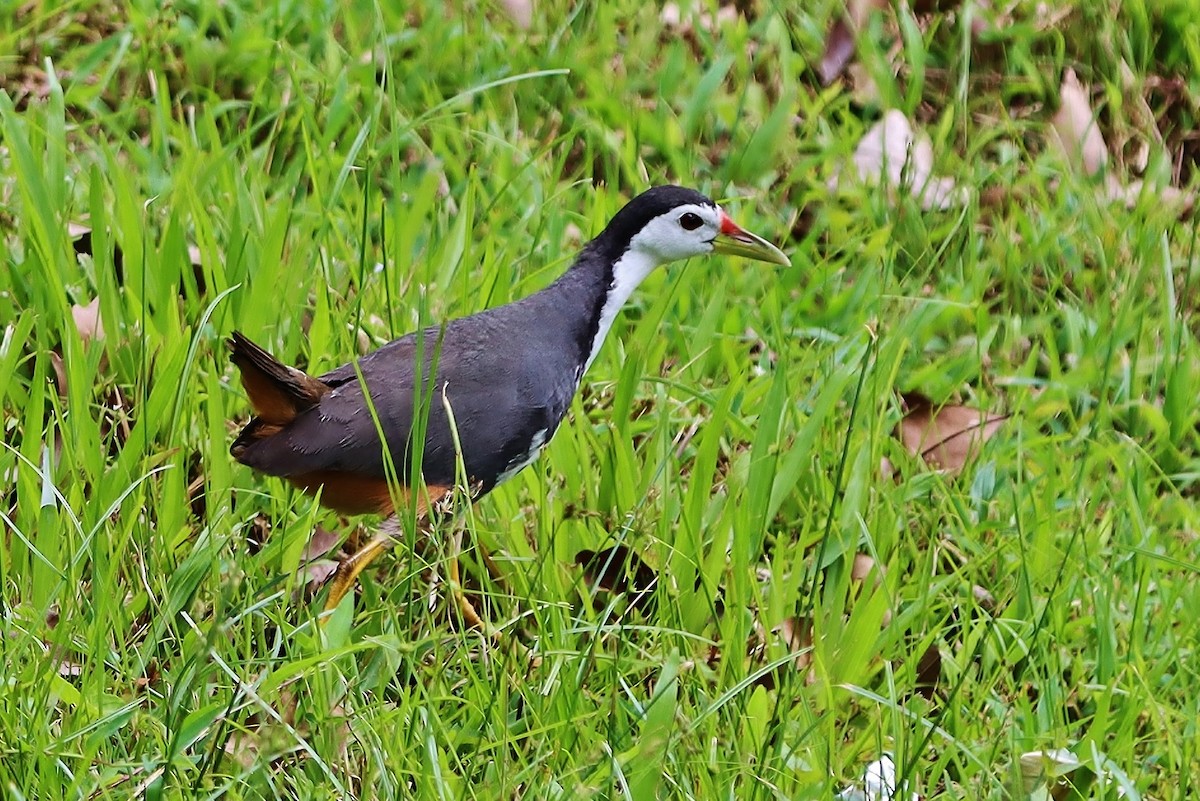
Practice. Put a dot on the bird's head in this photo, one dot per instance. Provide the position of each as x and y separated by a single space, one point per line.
669 223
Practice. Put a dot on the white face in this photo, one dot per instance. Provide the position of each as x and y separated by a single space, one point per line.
681 233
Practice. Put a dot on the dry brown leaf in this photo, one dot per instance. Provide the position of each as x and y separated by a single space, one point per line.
195 488
149 679
520 12
60 373
839 47
1130 193
315 573
864 91
259 532
1046 769
1075 129
87 321
619 570
865 566
70 670
983 597
946 438
797 633
840 41
32 84
1077 135
322 542
862 567
891 152
315 570
672 17
929 672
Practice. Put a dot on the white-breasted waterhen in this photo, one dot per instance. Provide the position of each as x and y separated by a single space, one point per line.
507 374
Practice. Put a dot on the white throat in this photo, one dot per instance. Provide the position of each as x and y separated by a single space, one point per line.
629 271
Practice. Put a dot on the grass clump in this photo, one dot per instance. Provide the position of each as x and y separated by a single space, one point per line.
328 177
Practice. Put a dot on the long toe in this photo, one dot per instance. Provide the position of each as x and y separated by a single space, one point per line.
348 571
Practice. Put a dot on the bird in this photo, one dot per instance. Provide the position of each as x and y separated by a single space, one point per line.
482 394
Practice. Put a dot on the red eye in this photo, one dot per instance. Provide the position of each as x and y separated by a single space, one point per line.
689 221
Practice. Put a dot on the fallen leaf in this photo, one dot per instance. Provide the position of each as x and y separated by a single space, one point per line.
840 42
1058 773
322 542
1075 129
314 570
864 91
315 573
929 672
1130 193
619 570
70 670
256 536
797 634
87 321
1039 768
862 567
946 438
60 373
1076 133
839 46
672 17
891 152
520 12
149 679
31 84
195 491
984 598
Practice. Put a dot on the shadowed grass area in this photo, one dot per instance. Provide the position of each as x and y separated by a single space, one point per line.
325 177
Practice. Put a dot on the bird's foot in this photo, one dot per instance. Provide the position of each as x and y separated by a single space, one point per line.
350 569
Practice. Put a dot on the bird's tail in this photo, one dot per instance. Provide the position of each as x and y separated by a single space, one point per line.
277 392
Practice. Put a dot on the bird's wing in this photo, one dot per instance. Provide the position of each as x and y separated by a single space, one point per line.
496 412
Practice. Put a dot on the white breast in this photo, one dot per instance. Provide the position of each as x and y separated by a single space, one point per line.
536 446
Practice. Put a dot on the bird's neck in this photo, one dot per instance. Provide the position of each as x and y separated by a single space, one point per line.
628 272
593 291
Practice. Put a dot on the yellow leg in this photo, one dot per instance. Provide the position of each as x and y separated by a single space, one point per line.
349 570
470 616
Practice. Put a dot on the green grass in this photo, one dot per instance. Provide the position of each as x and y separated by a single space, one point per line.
348 172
